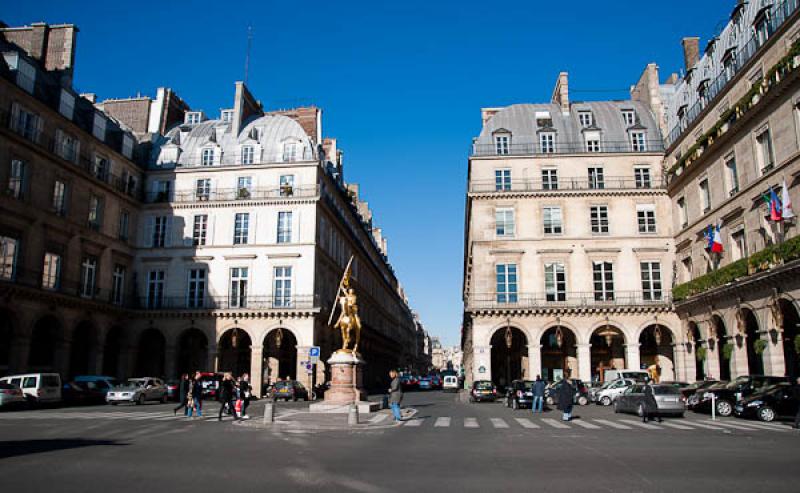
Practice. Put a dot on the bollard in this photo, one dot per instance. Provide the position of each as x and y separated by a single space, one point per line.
352 415
269 412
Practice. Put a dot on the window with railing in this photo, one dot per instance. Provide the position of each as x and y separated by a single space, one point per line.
101 168
196 288
596 180
25 122
547 142
504 222
68 146
506 275
51 271
638 142
202 189
238 290
603 273
502 180
8 257
651 281
502 144
286 184
282 287
244 187
555 282
550 179
641 176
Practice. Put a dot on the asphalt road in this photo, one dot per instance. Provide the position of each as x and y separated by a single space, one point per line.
447 446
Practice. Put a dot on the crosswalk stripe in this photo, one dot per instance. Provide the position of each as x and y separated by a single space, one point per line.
414 422
763 426
702 425
526 423
554 423
746 426
676 426
585 424
613 424
442 422
780 426
471 423
734 426
498 423
378 418
640 424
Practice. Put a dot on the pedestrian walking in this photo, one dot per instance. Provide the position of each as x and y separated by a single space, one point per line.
796 391
537 406
195 398
227 389
566 393
395 395
183 395
650 406
245 391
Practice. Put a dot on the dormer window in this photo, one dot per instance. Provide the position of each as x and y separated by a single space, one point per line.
290 151
66 104
248 155
629 117
207 156
638 142
761 27
99 127
585 118
592 139
226 116
502 144
193 117
547 142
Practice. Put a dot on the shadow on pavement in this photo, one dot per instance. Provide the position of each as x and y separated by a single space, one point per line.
13 448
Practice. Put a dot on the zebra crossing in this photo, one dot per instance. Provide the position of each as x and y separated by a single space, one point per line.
591 424
209 414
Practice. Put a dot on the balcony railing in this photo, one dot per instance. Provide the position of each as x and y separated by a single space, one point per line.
57 285
577 147
535 185
235 159
570 299
268 302
779 14
232 194
48 142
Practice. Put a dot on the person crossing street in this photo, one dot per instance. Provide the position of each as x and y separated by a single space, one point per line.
537 404
183 394
395 395
226 396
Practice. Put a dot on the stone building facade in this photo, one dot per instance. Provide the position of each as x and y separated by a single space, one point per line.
568 249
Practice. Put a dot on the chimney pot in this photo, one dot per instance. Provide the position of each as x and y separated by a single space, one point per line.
691 52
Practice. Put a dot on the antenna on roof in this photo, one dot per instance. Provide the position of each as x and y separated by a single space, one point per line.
247 55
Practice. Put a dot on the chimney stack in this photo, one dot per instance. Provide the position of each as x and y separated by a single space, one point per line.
691 51
561 93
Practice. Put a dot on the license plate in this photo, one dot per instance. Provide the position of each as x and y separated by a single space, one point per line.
282 391
671 399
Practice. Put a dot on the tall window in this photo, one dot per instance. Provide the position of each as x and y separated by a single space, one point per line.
196 288
683 215
641 176
248 155
599 219
124 224
596 180
688 270
286 184
504 222
290 151
705 195
60 197
202 188
603 281
159 232
200 230
506 283
163 190
101 168
26 123
8 257
16 179
585 117
118 285
207 156
638 143
651 281
550 179
628 117
762 30
547 142
155 288
95 212
732 175
765 155
51 272
739 244
68 147
282 288
88 276
646 217
502 144
241 228
244 187
552 220
284 227
502 180
592 142
238 292
555 282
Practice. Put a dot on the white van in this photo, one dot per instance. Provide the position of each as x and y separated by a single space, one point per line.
450 383
637 375
37 387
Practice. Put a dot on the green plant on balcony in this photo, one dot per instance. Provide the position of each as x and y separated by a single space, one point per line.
797 343
701 353
727 350
760 346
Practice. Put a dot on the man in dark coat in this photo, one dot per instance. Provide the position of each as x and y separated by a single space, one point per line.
650 406
538 394
395 395
183 394
566 393
226 396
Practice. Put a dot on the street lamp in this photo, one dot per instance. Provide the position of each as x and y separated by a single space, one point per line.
657 335
509 341
278 338
559 333
235 334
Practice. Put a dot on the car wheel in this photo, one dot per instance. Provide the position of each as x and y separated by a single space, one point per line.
724 408
549 401
140 400
616 407
514 404
640 410
766 413
606 400
582 400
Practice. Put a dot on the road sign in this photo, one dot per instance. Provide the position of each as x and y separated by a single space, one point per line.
313 354
309 367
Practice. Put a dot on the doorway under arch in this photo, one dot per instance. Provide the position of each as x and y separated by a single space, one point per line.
696 340
83 349
280 355
509 356
234 351
791 338
151 358
755 363
6 340
607 351
112 352
45 336
559 353
192 351
656 350
719 336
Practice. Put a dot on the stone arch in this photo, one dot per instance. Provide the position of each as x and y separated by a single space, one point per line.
790 318
718 338
45 337
280 354
749 321
509 355
192 351
8 332
529 335
83 349
113 348
695 338
657 351
234 349
559 360
151 355
607 351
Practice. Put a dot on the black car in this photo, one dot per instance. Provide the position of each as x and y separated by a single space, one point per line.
692 389
483 390
771 403
519 394
289 389
727 396
79 394
581 392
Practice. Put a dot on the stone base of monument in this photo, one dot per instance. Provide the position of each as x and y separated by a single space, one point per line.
346 387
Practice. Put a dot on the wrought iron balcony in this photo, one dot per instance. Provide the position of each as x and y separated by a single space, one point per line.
576 147
562 183
568 299
235 159
257 302
58 285
232 194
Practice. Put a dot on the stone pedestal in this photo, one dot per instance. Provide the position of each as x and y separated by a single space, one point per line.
346 380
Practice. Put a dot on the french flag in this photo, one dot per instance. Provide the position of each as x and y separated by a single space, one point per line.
714 239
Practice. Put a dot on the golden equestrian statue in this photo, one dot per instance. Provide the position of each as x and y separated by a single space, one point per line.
348 320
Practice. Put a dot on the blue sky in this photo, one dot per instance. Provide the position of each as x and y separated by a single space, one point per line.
401 85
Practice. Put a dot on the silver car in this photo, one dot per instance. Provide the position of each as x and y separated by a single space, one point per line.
610 390
668 399
10 396
138 390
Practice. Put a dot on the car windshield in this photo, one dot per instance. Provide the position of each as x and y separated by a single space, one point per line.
666 390
483 385
132 382
6 386
527 385
283 384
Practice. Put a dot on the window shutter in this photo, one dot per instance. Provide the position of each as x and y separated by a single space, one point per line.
168 231
148 231
251 230
296 226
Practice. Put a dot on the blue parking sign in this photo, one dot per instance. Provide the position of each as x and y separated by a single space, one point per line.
313 351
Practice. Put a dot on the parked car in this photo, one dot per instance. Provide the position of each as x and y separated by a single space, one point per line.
289 390
10 396
450 383
771 403
482 390
692 389
138 390
80 394
679 385
101 382
425 383
209 382
37 388
668 399
581 393
635 375
408 381
726 397
701 399
519 394
173 389
606 394
436 381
